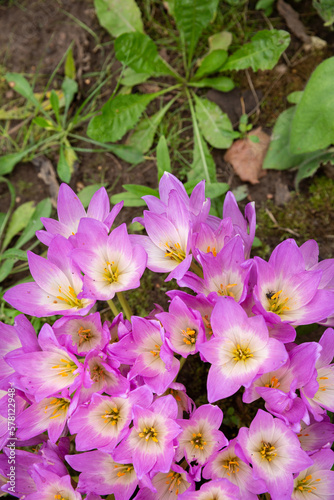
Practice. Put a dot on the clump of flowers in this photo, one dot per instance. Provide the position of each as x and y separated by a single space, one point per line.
98 409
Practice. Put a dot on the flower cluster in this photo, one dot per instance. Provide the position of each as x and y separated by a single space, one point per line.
97 403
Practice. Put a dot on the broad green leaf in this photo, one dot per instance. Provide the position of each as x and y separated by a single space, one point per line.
22 86
70 156
130 199
203 166
126 153
311 164
279 156
14 254
241 192
295 97
138 190
119 16
131 78
139 52
262 52
119 115
85 195
216 189
325 9
163 158
143 135
266 5
257 243
211 63
54 100
313 124
43 209
222 83
70 88
220 41
18 221
70 65
8 162
42 122
215 125
191 17
5 268
63 168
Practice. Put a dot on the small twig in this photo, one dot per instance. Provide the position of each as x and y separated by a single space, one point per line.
250 83
286 229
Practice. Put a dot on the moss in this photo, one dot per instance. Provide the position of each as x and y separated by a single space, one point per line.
305 216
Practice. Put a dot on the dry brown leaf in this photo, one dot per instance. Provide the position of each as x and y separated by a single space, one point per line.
246 156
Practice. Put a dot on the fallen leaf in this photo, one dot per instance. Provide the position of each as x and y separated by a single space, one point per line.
48 175
292 20
246 156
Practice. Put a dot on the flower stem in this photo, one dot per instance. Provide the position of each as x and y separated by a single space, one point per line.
112 307
182 361
196 269
125 305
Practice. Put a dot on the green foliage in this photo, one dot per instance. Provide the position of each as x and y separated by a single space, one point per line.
119 17
325 9
215 125
262 52
211 63
266 5
132 197
313 123
163 158
222 83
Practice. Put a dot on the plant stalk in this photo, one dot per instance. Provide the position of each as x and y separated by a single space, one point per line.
125 305
112 307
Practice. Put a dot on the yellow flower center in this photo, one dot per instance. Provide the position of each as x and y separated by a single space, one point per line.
66 367
268 451
110 272
225 290
274 383
174 481
198 441
189 336
111 416
84 335
59 496
149 433
156 351
175 252
241 353
306 485
213 250
69 297
232 465
123 469
58 406
277 304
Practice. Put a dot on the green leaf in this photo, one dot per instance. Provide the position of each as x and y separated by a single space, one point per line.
163 158
215 125
43 209
8 162
15 113
22 86
139 52
70 88
5 268
70 65
262 52
54 101
311 164
14 254
42 122
216 189
295 97
63 168
130 199
126 153
191 17
18 221
119 16
211 63
241 192
131 78
220 41
203 166
138 190
119 115
85 195
325 9
279 156
313 124
222 83
143 135
266 5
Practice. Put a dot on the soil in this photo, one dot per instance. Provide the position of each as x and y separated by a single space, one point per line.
34 36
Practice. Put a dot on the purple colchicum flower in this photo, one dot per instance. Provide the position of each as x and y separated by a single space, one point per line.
316 436
110 262
219 489
49 485
316 482
71 211
285 291
239 350
58 283
274 453
226 464
168 485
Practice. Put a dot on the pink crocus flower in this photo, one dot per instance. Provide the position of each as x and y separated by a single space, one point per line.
110 262
168 485
239 350
71 211
316 482
274 452
57 286
219 489
49 485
